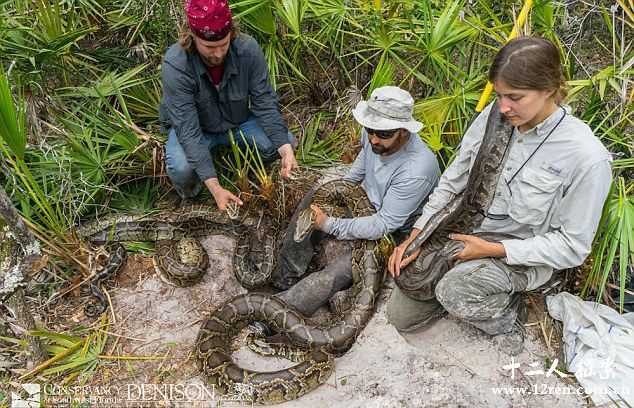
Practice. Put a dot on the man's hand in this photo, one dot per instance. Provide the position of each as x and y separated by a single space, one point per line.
476 248
288 160
320 218
222 196
396 261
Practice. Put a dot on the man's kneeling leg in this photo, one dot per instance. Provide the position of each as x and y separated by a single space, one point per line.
407 314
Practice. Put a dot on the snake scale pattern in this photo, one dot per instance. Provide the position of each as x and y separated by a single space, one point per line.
179 258
213 345
464 213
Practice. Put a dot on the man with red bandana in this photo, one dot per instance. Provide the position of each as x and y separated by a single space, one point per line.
216 82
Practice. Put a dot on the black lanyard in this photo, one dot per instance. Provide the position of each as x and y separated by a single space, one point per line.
508 182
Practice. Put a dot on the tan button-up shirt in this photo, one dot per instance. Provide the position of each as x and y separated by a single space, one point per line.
553 205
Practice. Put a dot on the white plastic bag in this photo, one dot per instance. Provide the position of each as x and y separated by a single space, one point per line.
598 347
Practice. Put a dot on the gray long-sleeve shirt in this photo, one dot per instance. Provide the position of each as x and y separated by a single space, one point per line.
553 204
397 186
191 104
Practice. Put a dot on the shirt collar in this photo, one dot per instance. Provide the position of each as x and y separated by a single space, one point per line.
543 128
231 67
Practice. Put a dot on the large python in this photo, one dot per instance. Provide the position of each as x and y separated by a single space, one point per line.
180 259
213 345
463 214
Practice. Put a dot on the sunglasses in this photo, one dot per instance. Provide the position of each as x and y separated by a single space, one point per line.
382 134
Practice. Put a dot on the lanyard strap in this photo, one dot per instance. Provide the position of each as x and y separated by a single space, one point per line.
508 182
500 217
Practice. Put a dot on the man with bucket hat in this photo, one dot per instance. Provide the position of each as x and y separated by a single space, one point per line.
216 82
397 171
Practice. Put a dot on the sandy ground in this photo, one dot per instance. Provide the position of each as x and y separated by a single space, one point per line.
449 364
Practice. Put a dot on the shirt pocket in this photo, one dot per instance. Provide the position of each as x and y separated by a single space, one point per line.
237 108
533 195
208 114
235 100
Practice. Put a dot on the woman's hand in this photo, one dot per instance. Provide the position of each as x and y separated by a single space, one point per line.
476 248
396 261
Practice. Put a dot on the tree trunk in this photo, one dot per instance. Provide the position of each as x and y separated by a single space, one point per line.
26 256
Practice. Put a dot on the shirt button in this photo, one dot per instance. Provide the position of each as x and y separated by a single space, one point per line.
509 168
519 140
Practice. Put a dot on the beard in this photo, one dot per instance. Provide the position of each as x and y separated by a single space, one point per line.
213 62
378 149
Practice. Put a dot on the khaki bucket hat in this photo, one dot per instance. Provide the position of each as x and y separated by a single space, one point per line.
389 107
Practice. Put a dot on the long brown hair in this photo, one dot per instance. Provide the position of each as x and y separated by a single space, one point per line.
186 37
530 63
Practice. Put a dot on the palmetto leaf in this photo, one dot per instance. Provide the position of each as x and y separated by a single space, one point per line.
314 151
110 84
22 43
383 75
614 245
292 14
331 15
12 125
257 14
440 35
72 355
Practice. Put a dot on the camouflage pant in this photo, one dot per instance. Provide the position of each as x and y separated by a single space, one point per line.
483 292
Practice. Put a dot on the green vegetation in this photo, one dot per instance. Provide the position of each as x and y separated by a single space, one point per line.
80 87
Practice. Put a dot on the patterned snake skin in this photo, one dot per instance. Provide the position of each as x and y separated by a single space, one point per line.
213 346
464 213
180 259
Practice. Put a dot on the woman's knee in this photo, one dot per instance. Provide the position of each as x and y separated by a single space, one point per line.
467 289
396 316
445 290
453 291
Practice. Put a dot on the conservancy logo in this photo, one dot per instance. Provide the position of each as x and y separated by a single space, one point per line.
32 401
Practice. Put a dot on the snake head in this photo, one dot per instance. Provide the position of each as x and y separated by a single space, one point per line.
304 224
233 210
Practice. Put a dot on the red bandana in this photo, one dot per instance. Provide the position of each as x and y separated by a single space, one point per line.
209 19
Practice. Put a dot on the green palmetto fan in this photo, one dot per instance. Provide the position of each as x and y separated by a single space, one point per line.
71 355
613 251
446 116
34 200
316 152
44 38
12 123
383 75
440 34
109 84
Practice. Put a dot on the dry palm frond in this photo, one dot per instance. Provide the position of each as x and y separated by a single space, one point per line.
351 97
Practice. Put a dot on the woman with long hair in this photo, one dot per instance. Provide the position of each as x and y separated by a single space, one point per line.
549 198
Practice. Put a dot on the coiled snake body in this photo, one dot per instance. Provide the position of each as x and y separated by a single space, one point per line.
213 346
463 214
179 259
